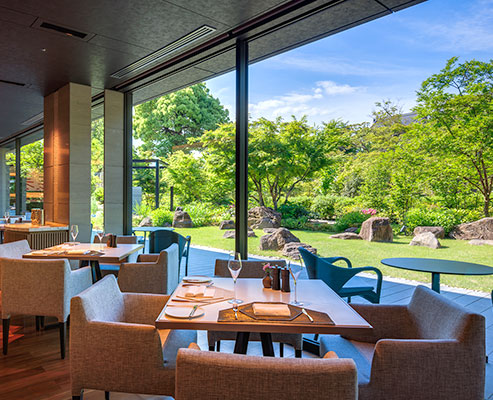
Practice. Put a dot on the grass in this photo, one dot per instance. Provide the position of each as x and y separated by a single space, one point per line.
362 253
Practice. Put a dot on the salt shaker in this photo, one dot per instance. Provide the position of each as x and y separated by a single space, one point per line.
285 280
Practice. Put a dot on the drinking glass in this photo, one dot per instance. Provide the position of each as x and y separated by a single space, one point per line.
234 266
74 231
100 235
6 215
295 273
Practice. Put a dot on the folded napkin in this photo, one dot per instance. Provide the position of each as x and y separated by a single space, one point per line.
76 252
200 291
274 310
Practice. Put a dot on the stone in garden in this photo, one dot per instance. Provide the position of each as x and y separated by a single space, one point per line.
182 219
377 229
270 230
352 229
147 221
347 236
427 239
277 240
291 249
228 224
438 231
263 217
232 235
480 242
482 229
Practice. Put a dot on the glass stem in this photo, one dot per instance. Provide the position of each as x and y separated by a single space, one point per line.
234 288
295 291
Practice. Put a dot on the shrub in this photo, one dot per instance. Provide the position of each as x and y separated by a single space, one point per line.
294 223
351 219
344 205
293 211
433 216
324 206
161 215
204 214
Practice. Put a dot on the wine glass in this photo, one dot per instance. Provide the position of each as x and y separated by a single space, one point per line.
295 273
6 215
234 266
100 235
74 231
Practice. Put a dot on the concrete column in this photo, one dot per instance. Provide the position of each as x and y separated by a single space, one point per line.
4 181
113 161
67 157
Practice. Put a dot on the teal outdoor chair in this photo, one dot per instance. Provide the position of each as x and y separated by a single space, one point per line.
336 277
162 239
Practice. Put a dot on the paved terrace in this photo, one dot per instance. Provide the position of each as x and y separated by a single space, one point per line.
394 291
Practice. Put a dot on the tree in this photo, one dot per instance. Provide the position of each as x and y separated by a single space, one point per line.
173 118
456 107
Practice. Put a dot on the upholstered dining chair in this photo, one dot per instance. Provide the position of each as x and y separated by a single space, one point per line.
152 273
114 269
208 376
253 269
40 288
431 348
337 277
162 238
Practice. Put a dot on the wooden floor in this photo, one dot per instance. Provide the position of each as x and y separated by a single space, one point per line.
33 368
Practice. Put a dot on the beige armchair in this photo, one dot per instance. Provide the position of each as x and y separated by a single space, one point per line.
253 269
152 273
209 376
114 345
40 288
431 348
109 268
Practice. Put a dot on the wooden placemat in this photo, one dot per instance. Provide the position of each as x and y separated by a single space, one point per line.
245 314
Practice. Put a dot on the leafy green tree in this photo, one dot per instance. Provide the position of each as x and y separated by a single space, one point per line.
456 107
173 118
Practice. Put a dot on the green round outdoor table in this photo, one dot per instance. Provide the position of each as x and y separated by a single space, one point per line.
437 267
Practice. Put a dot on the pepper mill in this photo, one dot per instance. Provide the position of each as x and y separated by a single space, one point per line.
276 278
285 280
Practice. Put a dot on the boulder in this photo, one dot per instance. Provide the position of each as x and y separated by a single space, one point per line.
182 219
291 249
377 229
228 224
438 231
480 242
263 217
481 229
346 236
232 235
147 221
270 230
427 239
352 229
277 240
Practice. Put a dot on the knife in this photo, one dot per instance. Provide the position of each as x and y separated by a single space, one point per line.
193 311
308 315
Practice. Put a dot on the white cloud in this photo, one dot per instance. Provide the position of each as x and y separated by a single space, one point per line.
332 88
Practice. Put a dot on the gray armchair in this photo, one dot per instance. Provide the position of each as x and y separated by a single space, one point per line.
114 345
152 273
40 288
209 376
431 348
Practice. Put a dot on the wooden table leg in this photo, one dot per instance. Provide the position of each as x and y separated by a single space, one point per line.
267 347
96 271
241 345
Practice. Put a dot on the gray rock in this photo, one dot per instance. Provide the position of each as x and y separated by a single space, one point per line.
277 240
377 229
291 249
480 242
438 231
270 230
427 239
147 221
263 217
182 219
352 229
228 224
347 236
481 229
232 234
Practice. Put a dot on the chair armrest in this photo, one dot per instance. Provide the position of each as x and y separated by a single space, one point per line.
147 257
80 280
332 260
388 322
143 308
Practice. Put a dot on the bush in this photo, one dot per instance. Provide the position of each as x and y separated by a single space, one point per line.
161 215
351 219
204 214
294 223
344 205
324 206
433 216
293 211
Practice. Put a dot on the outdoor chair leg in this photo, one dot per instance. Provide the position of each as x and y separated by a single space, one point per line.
281 349
218 345
6 331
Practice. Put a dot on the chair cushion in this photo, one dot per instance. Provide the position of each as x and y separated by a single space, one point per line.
361 353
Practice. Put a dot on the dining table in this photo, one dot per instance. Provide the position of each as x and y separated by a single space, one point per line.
89 253
319 300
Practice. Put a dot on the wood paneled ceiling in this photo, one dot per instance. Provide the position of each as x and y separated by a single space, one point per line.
35 62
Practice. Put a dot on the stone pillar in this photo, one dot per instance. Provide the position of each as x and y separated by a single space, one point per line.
67 158
113 161
4 181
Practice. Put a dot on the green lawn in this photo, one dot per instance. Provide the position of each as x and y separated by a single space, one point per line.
363 253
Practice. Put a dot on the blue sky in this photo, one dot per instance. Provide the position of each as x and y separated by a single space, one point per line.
342 76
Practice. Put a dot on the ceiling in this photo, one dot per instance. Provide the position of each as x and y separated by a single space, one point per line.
38 61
